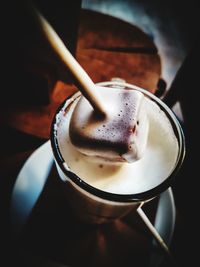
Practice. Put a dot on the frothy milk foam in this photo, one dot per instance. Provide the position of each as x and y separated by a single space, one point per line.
120 136
153 168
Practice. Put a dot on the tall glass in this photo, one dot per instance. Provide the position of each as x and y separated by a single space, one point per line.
95 205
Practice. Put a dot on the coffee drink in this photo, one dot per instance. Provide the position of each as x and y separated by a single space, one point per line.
159 153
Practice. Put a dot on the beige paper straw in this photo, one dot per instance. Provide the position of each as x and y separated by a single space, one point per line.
86 85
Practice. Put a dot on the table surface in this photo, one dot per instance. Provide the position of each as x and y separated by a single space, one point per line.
105 52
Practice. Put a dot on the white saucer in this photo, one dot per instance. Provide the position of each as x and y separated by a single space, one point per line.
32 178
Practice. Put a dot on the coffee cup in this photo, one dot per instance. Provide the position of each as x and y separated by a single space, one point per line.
100 193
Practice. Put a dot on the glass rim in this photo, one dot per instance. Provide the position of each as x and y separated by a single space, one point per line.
115 197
